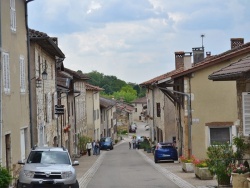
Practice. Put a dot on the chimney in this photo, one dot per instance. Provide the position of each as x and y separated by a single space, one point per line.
179 59
187 60
55 40
236 42
208 54
198 54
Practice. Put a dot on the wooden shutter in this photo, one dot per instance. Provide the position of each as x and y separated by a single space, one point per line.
158 107
246 113
12 15
22 74
6 73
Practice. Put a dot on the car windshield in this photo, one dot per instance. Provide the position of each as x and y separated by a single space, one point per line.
48 157
104 140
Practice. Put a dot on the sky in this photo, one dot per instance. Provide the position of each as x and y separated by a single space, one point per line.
135 40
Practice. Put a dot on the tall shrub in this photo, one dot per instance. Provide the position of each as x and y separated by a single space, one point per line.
5 177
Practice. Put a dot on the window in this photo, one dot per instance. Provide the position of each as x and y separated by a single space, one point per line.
22 74
220 135
12 15
246 113
135 109
6 73
158 107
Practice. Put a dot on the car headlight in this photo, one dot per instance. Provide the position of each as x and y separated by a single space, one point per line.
29 174
66 175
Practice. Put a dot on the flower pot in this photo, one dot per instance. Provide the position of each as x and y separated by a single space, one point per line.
223 180
240 180
248 181
187 167
203 173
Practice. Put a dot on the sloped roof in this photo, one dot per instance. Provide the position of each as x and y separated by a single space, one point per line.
140 100
240 50
49 44
234 71
77 75
90 87
161 77
63 80
104 102
125 107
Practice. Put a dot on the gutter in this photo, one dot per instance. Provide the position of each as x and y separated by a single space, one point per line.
1 121
29 72
75 121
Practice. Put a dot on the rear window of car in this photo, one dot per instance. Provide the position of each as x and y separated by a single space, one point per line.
166 147
105 140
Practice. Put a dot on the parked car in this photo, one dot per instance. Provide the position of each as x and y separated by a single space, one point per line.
106 143
165 152
147 127
48 167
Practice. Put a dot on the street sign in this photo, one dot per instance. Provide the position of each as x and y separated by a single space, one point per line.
59 109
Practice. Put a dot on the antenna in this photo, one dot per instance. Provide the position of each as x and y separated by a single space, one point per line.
202 36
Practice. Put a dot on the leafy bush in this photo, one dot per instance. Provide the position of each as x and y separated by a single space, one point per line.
5 177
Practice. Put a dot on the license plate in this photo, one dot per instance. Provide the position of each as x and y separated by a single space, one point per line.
165 155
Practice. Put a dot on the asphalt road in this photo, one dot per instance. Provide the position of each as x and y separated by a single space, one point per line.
125 168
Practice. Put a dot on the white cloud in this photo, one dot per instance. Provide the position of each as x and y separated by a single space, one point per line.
136 40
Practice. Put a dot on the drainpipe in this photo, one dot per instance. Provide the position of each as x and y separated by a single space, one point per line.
75 121
153 101
29 72
1 121
189 117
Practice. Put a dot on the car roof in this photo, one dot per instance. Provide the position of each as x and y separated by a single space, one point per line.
45 148
166 143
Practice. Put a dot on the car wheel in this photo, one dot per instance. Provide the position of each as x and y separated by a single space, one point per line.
76 185
156 160
18 184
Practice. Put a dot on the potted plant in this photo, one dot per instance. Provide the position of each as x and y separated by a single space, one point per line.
201 170
220 155
186 164
82 141
239 174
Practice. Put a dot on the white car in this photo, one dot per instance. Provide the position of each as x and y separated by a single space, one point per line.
147 127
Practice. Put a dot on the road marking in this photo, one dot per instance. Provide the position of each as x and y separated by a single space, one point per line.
176 179
85 179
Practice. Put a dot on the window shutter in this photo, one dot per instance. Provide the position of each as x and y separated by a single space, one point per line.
6 73
12 15
22 74
246 113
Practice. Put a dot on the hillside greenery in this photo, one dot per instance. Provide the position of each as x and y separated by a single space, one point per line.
114 87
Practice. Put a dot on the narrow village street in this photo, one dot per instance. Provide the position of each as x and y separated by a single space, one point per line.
124 167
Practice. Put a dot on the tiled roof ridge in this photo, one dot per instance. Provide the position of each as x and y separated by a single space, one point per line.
163 76
37 34
76 74
92 87
214 58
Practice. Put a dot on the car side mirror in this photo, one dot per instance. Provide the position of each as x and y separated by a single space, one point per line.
21 162
75 163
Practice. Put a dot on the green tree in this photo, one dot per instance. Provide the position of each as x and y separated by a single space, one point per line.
127 93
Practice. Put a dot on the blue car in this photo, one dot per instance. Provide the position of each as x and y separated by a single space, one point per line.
106 143
165 152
